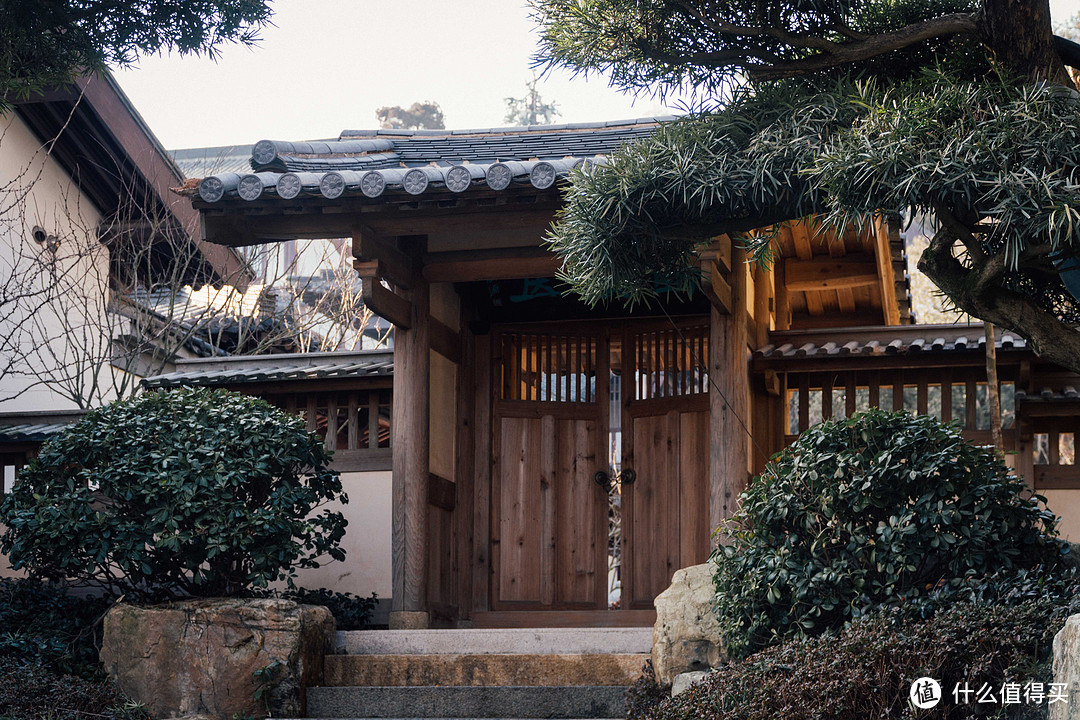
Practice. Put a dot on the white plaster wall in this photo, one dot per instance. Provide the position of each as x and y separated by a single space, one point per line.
367 567
1066 505
35 190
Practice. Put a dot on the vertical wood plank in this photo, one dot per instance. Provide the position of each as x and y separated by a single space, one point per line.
465 473
411 448
946 395
483 463
354 420
874 390
922 393
549 452
331 423
898 391
729 370
850 395
598 444
804 402
826 398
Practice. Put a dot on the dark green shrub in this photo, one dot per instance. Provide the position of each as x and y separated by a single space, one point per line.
866 670
874 510
351 612
180 493
645 694
46 626
31 692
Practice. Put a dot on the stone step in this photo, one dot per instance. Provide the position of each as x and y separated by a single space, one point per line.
536 641
476 670
607 701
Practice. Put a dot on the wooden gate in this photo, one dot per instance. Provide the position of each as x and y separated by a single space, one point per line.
549 539
665 508
557 535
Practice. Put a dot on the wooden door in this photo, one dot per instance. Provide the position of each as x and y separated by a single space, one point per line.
665 421
550 517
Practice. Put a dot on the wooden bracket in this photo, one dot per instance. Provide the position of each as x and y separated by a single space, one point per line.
386 303
394 265
718 251
442 493
716 287
444 340
772 383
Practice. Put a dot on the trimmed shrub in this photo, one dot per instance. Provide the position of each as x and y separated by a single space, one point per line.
866 670
351 612
176 494
29 692
878 509
44 625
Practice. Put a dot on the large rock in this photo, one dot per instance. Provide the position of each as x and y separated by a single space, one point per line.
686 636
1067 669
198 657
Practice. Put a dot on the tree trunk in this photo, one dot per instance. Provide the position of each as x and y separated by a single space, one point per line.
1021 35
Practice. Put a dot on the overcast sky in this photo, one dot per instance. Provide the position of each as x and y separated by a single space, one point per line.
328 64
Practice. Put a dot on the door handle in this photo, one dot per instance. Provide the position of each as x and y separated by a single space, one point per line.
602 479
627 476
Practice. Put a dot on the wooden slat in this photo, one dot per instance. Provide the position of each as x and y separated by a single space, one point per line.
826 400
875 390
970 419
373 419
922 392
804 402
890 307
946 395
519 502
445 341
716 287
762 283
800 235
480 266
482 459
552 444
331 423
783 296
898 392
850 396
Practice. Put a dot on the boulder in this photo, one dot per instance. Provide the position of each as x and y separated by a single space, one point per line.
683 681
201 657
1067 669
686 636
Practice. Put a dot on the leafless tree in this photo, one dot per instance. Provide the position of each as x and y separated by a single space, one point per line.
89 306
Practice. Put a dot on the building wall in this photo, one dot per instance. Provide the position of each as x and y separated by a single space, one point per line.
65 290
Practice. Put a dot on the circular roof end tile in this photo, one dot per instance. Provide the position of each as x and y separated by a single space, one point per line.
250 187
211 189
499 176
372 183
415 181
332 185
289 186
264 152
458 179
542 176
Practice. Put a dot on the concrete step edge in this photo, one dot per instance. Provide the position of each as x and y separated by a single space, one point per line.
558 641
483 670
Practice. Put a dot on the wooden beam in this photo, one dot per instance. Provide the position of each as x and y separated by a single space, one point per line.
496 264
831 274
890 307
445 341
719 251
761 306
394 265
386 303
800 235
716 287
411 472
442 493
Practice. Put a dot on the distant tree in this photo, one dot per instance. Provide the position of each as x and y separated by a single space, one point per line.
419 116
45 44
531 109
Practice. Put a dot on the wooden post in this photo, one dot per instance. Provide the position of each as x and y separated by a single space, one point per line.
992 395
729 402
410 464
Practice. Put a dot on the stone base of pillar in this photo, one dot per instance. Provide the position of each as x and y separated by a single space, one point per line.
403 620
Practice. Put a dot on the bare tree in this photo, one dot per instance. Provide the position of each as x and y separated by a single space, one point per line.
88 305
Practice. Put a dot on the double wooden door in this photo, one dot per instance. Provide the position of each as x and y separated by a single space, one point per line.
600 487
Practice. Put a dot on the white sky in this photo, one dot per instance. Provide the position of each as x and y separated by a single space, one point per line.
328 64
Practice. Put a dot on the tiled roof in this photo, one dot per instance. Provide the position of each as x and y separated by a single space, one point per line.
35 426
369 163
898 340
29 432
200 162
275 368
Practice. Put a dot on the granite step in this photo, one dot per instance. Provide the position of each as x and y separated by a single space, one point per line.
533 641
483 669
606 701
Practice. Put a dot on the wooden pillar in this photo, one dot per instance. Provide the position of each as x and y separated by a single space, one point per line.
410 465
729 401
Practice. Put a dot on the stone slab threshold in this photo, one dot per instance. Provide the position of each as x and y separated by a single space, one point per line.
467 702
532 641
